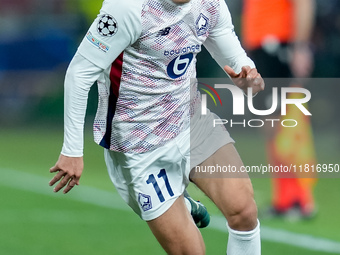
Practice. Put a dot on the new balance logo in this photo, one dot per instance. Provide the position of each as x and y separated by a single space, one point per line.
164 31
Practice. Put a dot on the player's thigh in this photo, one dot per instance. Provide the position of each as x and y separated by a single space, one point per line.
176 231
231 192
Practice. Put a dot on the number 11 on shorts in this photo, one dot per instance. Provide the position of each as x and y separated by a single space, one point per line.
152 179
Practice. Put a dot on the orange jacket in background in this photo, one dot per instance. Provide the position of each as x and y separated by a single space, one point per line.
262 19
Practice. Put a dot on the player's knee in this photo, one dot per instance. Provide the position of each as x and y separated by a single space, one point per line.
243 216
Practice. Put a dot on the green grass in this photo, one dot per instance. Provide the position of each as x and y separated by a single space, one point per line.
33 223
39 224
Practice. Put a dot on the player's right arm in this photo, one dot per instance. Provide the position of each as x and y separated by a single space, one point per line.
97 51
80 76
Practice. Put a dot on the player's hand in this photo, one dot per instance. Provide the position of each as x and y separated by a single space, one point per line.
248 77
68 171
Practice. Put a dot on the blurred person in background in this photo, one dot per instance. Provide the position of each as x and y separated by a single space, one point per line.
276 34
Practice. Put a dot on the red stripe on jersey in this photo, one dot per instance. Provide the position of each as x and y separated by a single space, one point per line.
116 74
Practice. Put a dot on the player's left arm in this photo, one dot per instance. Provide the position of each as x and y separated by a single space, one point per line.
225 47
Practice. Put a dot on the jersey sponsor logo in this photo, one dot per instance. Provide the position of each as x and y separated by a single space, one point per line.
107 25
178 66
192 48
164 32
144 201
97 43
202 24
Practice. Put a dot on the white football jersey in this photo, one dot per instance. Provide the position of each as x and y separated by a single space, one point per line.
147 49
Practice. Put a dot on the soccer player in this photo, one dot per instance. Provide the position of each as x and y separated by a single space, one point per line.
142 55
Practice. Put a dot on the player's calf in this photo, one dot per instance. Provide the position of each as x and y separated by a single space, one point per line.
176 232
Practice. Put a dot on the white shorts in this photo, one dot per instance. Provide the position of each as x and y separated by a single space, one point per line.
150 182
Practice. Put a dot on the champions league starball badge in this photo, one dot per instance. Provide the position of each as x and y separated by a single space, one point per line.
107 25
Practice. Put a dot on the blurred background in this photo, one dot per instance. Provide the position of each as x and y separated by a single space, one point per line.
37 41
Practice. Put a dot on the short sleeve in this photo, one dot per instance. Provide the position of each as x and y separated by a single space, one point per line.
116 27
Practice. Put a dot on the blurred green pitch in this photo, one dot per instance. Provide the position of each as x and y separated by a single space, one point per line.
46 223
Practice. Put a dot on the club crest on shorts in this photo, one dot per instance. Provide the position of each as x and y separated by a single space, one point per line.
144 201
202 24
107 25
